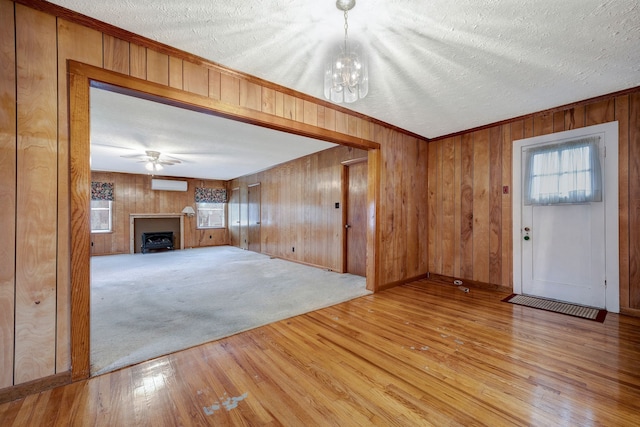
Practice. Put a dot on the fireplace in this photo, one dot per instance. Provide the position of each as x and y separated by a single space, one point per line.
155 222
156 240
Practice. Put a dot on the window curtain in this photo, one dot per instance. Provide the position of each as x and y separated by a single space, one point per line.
563 173
211 195
102 191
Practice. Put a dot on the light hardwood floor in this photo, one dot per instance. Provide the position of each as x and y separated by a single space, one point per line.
418 354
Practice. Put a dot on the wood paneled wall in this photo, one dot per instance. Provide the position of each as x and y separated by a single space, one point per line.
37 39
133 195
299 195
35 311
470 224
8 150
298 208
403 240
469 216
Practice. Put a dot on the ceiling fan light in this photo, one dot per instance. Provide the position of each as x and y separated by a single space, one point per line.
153 166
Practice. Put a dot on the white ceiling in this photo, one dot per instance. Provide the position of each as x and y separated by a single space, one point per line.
208 147
436 66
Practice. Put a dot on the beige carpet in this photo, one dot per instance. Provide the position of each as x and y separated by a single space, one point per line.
148 305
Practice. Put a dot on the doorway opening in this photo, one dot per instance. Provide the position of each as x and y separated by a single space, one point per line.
81 78
355 212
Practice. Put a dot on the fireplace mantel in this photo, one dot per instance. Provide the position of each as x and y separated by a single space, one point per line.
134 216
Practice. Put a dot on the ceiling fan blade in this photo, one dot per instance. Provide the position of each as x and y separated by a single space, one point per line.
154 157
169 157
119 147
135 156
197 153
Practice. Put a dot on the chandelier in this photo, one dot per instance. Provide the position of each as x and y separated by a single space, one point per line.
346 75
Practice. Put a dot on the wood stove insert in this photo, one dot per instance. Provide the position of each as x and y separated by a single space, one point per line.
156 240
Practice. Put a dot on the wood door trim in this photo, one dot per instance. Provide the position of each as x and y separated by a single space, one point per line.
80 180
81 77
120 83
373 219
344 179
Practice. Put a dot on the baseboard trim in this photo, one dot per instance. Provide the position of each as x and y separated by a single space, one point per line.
308 264
403 281
633 312
36 386
448 280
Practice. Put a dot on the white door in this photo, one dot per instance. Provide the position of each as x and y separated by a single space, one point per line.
564 255
568 252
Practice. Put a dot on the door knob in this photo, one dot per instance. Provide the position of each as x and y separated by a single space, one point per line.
347 226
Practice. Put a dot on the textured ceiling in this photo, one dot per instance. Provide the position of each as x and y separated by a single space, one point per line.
436 66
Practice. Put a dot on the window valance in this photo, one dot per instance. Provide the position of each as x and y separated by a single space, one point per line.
102 191
211 195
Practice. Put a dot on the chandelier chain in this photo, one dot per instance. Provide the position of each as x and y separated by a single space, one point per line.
346 27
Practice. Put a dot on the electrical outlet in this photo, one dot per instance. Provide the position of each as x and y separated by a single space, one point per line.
293 249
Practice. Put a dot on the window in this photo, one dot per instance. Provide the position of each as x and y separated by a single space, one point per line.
211 215
101 216
564 173
211 206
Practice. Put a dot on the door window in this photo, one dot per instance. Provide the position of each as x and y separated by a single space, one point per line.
568 172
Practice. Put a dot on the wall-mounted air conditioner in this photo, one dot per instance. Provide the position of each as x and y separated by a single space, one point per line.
168 185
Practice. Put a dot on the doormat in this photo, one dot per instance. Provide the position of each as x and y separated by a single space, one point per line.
558 307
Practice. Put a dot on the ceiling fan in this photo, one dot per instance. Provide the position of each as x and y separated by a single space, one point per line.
152 160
